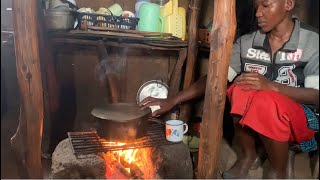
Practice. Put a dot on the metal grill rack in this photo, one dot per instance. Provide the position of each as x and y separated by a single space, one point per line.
89 142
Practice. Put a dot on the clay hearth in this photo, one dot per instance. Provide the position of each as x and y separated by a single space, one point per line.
165 162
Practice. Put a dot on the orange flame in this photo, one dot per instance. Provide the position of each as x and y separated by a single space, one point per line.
128 156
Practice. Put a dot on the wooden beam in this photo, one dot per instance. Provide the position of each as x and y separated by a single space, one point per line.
195 7
26 143
51 87
59 42
223 33
175 79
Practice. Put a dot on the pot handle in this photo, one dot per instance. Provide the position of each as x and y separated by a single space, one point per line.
157 121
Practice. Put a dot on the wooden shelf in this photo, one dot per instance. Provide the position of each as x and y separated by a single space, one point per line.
115 39
92 38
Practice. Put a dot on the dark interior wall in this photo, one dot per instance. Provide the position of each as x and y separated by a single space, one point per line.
6 15
308 12
76 71
9 85
79 66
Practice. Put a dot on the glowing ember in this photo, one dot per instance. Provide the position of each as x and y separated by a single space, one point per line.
112 143
120 162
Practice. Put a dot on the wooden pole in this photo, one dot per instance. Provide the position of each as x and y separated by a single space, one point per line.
223 33
175 79
51 87
26 143
111 77
195 7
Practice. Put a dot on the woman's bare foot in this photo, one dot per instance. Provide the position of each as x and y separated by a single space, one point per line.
240 169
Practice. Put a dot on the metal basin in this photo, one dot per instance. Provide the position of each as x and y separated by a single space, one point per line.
121 122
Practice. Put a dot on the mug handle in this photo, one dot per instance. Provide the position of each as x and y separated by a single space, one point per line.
162 23
186 130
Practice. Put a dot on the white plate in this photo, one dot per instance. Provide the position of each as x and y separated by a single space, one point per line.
153 88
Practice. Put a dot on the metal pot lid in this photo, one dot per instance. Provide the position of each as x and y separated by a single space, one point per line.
153 88
120 112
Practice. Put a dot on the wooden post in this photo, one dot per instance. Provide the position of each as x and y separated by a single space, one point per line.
223 33
195 7
51 87
111 77
175 79
26 143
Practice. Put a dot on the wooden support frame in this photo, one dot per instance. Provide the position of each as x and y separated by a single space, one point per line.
223 34
175 79
29 132
34 61
27 46
195 6
33 52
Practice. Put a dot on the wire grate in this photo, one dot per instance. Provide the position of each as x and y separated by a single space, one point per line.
90 142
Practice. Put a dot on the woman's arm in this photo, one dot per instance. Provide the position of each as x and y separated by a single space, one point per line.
301 95
258 82
195 90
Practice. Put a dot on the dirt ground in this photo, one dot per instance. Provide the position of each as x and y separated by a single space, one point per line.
9 123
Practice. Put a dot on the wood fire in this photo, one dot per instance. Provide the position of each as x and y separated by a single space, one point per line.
121 164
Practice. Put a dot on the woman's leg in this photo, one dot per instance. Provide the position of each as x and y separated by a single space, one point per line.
245 138
277 154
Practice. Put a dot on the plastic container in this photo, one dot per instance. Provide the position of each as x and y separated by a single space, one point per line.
160 2
174 18
51 4
150 19
57 19
138 4
116 9
101 20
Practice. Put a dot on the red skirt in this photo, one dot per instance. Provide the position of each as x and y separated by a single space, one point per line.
270 113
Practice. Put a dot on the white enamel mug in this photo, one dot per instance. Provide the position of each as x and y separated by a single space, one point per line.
174 130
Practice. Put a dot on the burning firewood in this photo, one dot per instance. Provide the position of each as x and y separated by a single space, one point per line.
114 168
135 171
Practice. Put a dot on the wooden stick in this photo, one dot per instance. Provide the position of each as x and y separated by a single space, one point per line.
111 77
223 33
195 7
130 31
106 33
175 79
26 143
112 161
58 41
134 169
51 89
86 35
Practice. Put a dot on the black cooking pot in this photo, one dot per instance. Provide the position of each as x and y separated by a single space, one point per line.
121 122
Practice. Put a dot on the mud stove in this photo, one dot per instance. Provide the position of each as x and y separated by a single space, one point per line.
86 155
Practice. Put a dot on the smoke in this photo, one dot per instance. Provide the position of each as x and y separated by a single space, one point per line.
114 64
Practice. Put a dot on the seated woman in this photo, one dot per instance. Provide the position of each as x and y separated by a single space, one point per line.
279 71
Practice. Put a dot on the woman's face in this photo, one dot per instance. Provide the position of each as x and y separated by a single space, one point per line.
270 13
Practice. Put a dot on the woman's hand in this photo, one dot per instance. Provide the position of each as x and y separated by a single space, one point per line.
165 105
255 81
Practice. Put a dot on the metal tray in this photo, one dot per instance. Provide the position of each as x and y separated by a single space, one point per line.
153 88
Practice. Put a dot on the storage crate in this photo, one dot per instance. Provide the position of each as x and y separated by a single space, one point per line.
101 20
204 36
